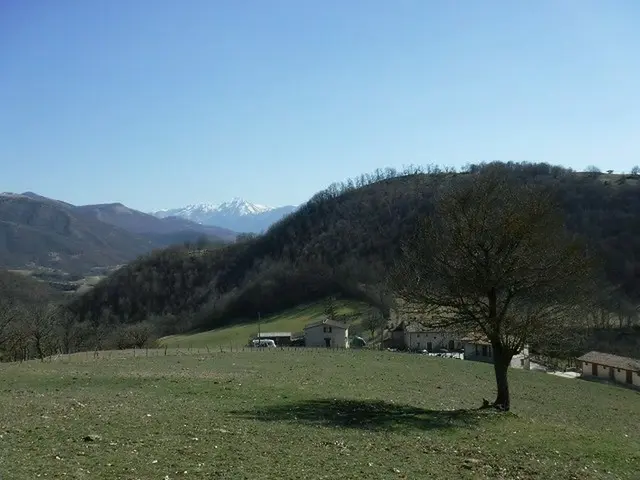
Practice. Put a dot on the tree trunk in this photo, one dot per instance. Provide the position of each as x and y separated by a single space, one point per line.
501 361
39 349
502 399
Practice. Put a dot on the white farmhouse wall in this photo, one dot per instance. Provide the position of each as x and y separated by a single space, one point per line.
438 340
520 361
315 336
603 372
475 352
469 350
619 375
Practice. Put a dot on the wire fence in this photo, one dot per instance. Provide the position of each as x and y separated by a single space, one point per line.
185 350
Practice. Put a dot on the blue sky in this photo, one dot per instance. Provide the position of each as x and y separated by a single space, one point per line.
161 103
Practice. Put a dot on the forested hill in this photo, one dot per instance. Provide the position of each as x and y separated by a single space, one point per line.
25 290
343 237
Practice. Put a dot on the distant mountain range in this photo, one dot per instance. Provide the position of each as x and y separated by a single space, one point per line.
237 215
138 222
37 231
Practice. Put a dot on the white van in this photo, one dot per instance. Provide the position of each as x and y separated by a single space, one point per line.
263 343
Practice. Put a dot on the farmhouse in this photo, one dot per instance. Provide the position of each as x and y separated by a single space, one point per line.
416 336
612 367
478 348
326 333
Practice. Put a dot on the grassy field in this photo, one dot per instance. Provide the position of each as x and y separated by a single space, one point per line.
316 414
292 320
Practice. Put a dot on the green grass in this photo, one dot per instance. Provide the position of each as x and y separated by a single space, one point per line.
292 320
312 415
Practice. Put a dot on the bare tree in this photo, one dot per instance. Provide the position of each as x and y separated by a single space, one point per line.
68 331
622 308
374 321
494 260
611 307
377 289
17 341
41 325
331 308
140 334
9 313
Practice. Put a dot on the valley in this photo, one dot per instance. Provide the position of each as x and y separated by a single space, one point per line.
49 238
339 244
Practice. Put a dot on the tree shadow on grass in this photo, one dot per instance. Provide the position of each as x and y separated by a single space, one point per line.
366 414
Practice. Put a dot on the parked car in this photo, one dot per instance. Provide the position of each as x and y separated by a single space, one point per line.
263 343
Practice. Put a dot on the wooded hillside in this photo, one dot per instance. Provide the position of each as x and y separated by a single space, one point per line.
347 236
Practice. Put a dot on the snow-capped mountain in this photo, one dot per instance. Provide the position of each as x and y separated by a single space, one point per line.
237 215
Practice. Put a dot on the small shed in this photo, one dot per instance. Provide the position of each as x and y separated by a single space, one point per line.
619 369
282 339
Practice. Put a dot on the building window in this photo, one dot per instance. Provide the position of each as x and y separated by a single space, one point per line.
477 350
